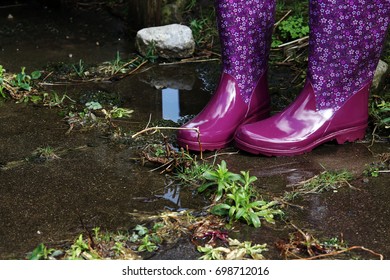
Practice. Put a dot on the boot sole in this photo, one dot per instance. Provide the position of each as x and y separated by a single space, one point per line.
196 146
341 136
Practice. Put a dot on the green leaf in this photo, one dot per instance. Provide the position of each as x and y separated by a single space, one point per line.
203 187
386 120
222 165
25 86
36 75
240 213
254 220
220 209
35 99
204 249
141 230
93 105
210 175
257 203
38 252
234 176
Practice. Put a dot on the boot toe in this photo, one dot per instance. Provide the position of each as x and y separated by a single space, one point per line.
249 138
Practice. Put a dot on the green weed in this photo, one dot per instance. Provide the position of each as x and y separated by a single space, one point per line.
147 244
204 29
79 250
381 166
193 173
325 181
118 113
191 5
96 232
334 243
41 252
53 99
372 170
45 153
151 52
239 199
241 204
293 23
118 248
235 251
380 114
23 81
147 239
222 178
79 68
93 106
294 27
119 66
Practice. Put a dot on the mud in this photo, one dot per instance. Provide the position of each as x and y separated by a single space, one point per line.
100 182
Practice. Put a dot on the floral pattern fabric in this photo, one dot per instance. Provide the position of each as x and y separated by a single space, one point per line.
245 28
346 39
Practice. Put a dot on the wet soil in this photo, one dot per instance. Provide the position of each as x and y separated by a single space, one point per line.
99 181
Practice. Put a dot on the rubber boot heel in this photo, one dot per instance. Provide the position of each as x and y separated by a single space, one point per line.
351 136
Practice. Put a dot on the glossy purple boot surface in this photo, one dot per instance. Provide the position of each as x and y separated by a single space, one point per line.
346 38
301 127
245 28
223 114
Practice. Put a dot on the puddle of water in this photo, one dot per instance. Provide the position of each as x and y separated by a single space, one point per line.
166 92
102 184
98 182
58 35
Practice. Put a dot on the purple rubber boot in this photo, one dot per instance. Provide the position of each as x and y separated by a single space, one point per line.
245 28
346 39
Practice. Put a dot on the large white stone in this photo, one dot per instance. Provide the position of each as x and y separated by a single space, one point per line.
381 70
170 41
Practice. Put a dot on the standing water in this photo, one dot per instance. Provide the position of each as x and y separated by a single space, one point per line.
102 183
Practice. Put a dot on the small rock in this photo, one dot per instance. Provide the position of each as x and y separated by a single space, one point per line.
10 16
380 73
170 41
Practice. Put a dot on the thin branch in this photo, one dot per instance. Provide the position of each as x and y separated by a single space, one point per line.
343 251
133 71
156 128
12 6
189 61
126 64
282 201
283 18
222 154
297 41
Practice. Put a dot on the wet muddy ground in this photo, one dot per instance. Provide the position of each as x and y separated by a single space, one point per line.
100 181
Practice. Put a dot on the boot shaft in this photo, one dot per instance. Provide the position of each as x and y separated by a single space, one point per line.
245 28
346 40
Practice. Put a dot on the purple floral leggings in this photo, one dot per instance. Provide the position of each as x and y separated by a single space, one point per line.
346 40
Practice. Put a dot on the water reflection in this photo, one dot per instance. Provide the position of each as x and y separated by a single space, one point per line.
170 104
172 194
